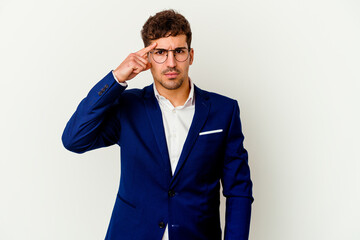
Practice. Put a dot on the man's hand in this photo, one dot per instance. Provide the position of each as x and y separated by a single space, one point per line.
134 64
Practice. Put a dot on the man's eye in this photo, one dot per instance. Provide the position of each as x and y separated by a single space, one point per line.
179 51
160 52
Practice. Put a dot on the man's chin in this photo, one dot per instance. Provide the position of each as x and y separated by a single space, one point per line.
170 87
171 84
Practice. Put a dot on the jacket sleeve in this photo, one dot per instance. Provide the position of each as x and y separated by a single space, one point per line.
94 123
236 182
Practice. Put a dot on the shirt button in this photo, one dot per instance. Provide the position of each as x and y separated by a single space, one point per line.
171 193
161 224
174 111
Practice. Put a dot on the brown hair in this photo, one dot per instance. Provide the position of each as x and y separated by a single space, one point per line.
164 24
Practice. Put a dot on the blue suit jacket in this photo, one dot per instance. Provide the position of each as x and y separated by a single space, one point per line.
149 196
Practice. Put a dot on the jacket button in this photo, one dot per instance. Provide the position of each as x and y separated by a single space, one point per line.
171 193
161 224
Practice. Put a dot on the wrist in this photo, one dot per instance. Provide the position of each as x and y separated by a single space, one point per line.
117 78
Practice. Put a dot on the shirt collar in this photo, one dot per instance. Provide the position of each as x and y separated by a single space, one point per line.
190 100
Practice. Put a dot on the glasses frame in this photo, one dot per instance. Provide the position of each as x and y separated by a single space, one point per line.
167 54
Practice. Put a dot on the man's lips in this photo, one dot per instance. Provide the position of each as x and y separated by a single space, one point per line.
171 74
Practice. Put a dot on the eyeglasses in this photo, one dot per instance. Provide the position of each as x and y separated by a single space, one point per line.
160 55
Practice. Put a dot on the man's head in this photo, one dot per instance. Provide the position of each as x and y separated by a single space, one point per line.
164 24
171 31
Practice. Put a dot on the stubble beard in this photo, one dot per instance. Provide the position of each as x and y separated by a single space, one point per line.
172 84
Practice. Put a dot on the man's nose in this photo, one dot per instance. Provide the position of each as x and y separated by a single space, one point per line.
171 61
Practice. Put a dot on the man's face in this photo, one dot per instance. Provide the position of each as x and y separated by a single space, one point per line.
171 74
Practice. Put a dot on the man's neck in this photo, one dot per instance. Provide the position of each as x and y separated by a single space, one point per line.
177 97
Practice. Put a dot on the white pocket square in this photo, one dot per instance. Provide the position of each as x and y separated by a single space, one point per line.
211 132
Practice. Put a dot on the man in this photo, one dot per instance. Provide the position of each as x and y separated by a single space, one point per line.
177 142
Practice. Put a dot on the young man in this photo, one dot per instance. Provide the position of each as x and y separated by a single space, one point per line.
177 142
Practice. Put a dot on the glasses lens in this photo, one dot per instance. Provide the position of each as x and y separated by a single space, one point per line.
181 54
159 56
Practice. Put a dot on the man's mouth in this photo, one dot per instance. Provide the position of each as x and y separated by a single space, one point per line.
171 74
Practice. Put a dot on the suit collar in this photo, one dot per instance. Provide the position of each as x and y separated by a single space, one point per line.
154 113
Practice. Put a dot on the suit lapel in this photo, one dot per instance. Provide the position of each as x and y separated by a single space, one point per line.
202 107
154 113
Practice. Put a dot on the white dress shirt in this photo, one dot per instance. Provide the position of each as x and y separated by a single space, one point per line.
176 121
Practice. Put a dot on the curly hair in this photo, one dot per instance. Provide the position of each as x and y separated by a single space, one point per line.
164 24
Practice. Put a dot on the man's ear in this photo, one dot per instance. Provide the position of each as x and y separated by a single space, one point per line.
191 55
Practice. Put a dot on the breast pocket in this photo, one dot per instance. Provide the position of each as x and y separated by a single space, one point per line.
211 135
209 132
210 144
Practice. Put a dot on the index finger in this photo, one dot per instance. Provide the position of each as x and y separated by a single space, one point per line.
144 51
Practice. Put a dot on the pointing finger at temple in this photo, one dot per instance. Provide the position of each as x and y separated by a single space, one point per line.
144 51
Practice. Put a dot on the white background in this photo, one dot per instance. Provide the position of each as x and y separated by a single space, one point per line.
292 65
